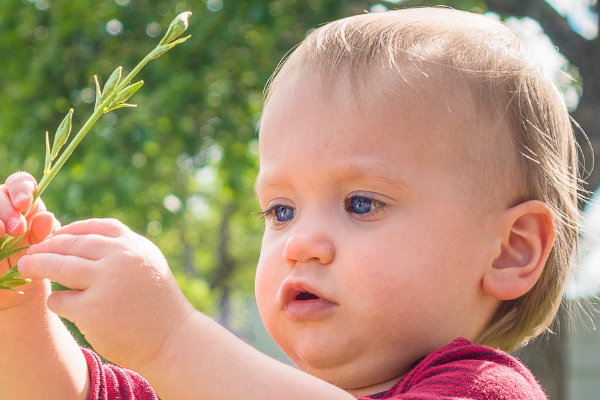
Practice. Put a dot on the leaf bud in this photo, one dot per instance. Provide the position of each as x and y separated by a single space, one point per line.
112 82
162 49
48 161
123 96
98 92
62 134
177 27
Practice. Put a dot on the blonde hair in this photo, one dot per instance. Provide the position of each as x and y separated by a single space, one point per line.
504 79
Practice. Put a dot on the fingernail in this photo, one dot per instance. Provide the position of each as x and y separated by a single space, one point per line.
22 261
19 197
12 223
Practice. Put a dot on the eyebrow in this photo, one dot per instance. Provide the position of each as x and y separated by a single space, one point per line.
378 174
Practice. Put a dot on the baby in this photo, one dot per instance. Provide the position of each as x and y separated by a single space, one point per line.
418 184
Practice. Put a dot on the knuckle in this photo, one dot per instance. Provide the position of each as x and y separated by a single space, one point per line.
6 207
116 226
57 265
36 208
55 303
20 179
67 244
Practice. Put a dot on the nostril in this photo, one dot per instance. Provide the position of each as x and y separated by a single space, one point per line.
308 247
306 296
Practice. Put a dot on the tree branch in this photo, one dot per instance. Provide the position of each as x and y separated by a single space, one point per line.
555 26
226 264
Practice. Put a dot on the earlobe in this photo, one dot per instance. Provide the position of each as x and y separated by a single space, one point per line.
527 235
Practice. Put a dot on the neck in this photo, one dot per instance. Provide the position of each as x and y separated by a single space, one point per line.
374 389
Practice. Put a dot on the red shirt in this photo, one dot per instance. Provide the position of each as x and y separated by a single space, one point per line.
462 370
458 371
109 382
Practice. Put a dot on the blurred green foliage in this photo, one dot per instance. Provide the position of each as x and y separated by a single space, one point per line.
180 168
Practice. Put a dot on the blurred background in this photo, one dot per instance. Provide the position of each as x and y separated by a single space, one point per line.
180 168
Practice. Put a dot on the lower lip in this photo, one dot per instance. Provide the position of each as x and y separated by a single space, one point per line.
308 309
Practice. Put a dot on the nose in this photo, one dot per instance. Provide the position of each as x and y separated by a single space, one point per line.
306 247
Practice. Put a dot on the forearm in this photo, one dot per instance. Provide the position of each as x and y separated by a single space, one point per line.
204 361
39 359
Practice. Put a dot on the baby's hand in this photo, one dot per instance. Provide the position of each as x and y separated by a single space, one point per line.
123 296
16 197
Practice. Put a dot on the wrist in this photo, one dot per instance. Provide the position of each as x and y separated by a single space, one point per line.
173 350
39 358
204 360
156 347
14 306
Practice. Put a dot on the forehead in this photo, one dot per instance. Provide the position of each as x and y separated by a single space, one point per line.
416 126
439 119
416 123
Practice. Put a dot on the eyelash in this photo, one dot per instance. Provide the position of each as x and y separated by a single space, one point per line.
269 215
376 207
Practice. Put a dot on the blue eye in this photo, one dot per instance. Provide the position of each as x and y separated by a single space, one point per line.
283 213
360 205
363 206
278 214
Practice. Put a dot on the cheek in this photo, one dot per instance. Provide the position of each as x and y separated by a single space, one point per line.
268 278
396 274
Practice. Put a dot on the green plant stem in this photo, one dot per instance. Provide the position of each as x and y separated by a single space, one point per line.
47 178
8 244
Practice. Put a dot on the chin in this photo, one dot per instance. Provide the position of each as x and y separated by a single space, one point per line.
328 368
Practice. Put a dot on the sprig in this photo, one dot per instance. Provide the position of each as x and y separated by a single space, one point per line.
114 95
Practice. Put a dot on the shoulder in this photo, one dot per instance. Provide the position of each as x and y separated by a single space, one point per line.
110 382
464 370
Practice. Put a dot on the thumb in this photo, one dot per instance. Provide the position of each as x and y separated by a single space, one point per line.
65 304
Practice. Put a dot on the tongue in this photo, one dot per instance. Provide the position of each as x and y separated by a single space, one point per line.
306 296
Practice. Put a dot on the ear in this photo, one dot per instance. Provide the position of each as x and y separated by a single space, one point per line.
527 235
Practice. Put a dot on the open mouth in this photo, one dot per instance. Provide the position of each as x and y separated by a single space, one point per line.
306 296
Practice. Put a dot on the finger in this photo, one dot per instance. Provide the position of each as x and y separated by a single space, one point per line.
65 303
107 227
89 246
12 220
69 271
37 208
12 260
20 187
42 225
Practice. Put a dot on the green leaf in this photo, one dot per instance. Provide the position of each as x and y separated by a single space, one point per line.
124 95
8 283
2 287
122 105
9 242
98 92
4 254
176 28
11 273
12 282
12 278
159 51
162 49
112 82
48 162
62 134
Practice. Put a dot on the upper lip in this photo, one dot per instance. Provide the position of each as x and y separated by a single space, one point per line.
292 288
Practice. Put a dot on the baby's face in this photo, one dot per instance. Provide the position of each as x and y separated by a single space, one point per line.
373 253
